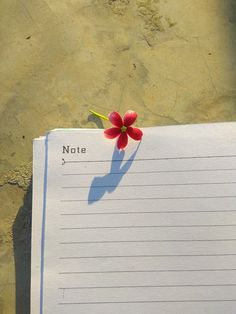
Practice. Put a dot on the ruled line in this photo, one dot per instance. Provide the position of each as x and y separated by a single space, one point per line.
145 256
140 302
146 172
149 159
147 241
151 212
148 198
148 286
147 271
146 185
157 226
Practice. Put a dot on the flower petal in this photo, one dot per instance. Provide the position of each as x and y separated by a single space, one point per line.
134 133
112 132
130 117
115 119
122 140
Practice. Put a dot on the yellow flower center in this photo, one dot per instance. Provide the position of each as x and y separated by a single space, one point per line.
123 128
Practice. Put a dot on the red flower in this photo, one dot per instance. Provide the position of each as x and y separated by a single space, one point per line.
123 128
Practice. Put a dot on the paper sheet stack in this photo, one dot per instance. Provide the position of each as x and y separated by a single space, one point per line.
151 229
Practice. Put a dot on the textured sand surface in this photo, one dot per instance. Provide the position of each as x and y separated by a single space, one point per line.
172 61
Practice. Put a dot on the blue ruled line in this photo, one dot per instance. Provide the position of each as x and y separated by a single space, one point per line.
43 223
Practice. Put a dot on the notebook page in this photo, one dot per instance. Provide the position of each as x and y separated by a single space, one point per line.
38 181
151 230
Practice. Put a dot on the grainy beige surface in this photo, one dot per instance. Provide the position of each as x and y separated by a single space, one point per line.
172 61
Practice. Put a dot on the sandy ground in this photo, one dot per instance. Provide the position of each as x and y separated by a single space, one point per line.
171 61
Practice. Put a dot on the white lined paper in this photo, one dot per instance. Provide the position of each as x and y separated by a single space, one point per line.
38 173
162 240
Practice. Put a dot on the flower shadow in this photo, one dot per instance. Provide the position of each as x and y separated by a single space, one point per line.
109 182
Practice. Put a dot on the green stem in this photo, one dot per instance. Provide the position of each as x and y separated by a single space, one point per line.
98 115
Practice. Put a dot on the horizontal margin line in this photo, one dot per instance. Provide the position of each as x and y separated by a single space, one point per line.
159 226
151 212
143 172
148 198
148 241
148 286
149 159
146 271
146 256
146 185
140 302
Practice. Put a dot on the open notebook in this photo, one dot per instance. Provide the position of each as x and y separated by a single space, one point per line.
149 230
